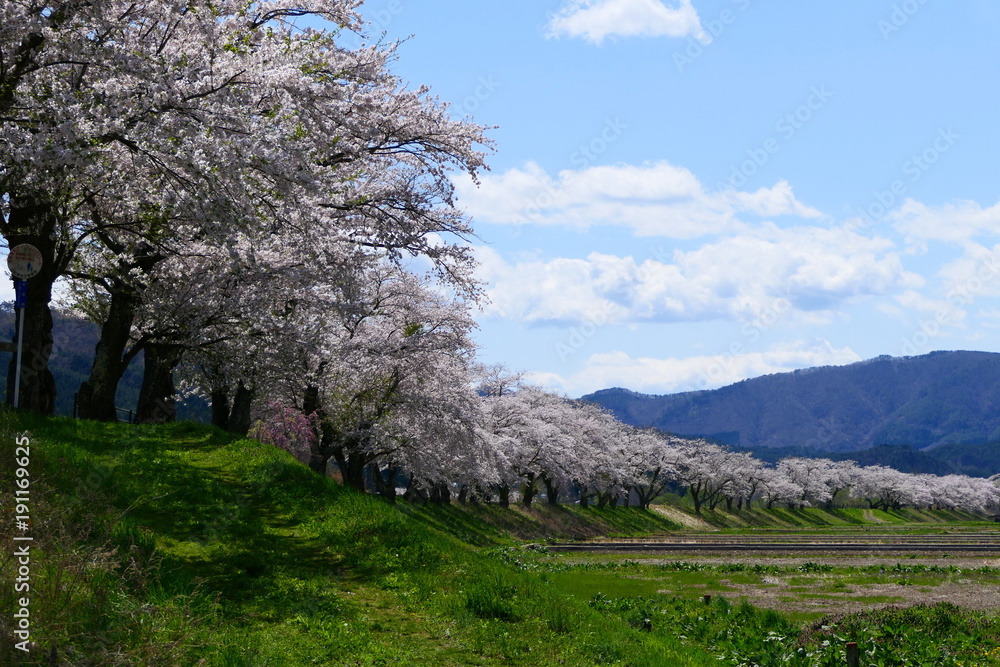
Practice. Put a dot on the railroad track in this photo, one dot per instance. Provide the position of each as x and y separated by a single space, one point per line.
985 542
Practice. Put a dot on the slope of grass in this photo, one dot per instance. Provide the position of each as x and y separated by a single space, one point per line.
490 525
181 545
831 519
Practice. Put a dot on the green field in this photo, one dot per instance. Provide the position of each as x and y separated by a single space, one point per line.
182 545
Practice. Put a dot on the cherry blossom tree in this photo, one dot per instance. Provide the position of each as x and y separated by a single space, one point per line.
960 492
500 422
651 463
702 469
130 126
776 487
543 447
885 488
389 376
743 476
600 454
810 475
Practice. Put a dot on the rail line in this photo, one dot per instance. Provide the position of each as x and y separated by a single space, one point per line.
983 542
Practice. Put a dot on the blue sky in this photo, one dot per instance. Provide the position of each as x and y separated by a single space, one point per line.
687 194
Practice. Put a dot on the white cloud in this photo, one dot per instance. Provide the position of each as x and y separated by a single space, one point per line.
657 199
595 20
973 275
672 375
743 277
771 202
956 222
926 308
989 318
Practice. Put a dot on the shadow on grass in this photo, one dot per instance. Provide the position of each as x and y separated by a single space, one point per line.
492 525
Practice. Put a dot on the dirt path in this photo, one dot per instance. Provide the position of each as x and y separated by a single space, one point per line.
683 518
778 595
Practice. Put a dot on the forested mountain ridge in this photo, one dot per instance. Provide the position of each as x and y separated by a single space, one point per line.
931 401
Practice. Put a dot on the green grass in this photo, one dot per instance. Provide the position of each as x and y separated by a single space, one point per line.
491 525
182 545
822 519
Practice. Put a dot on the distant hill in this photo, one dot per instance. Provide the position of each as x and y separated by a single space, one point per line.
74 339
945 403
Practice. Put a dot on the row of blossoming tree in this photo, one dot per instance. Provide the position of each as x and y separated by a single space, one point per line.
524 442
504 442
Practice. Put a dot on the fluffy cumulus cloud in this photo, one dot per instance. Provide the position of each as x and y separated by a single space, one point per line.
964 283
658 199
973 275
955 222
671 375
742 277
595 20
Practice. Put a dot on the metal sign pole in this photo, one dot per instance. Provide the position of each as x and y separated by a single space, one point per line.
24 261
20 301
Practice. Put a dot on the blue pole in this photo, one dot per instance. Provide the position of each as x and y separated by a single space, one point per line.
20 301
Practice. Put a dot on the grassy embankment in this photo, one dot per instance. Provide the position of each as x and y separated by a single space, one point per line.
181 545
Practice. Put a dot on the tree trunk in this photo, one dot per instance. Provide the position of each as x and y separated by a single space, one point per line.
32 222
310 405
220 408
351 467
37 390
322 447
551 491
384 485
503 494
239 416
414 493
441 494
528 492
157 404
97 393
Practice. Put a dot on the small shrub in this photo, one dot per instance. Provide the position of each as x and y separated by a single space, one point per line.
287 428
491 597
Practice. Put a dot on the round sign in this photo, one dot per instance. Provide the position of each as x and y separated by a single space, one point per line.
24 261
